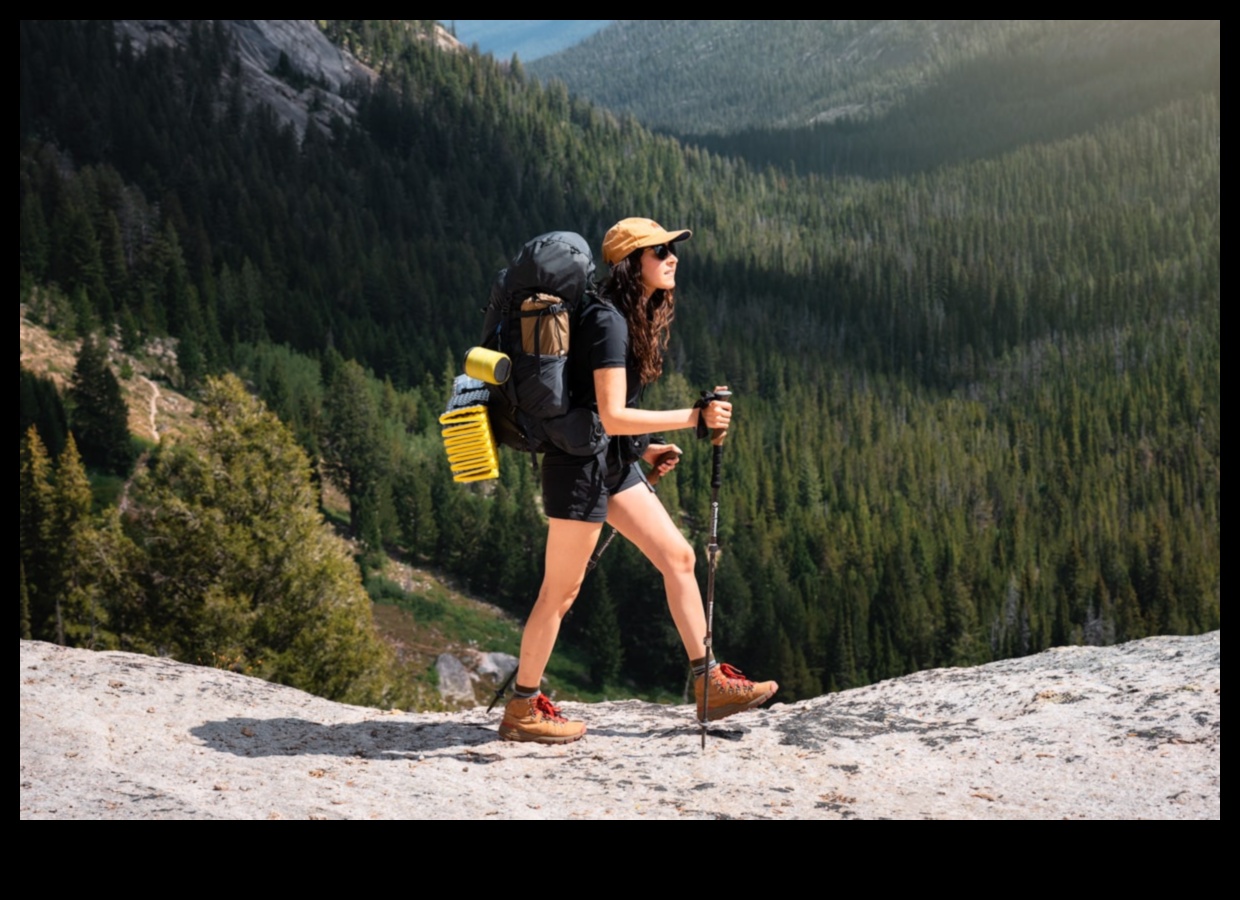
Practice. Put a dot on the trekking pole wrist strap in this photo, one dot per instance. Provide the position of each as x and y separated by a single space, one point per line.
699 427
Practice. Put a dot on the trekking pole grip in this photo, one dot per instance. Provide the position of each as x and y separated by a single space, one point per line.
653 477
716 434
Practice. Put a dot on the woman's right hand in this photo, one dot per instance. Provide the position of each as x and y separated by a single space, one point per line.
718 413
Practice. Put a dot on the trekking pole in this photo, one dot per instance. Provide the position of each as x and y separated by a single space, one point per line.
652 479
712 549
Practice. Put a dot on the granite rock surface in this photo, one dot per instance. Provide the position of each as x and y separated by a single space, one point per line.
1125 732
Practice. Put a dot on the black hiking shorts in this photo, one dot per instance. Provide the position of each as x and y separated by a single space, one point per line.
577 487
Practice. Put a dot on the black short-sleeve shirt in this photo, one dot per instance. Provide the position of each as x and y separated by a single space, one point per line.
578 487
600 340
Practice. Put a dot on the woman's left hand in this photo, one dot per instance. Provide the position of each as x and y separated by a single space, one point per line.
662 458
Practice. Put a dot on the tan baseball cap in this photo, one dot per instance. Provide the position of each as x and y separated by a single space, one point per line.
628 235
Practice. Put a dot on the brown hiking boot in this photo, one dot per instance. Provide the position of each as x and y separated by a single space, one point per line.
730 692
536 719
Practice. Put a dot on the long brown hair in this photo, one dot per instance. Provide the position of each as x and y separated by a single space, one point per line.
649 318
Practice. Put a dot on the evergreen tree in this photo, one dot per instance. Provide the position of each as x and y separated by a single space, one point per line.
40 405
240 568
602 633
100 416
411 494
23 631
78 617
354 453
35 530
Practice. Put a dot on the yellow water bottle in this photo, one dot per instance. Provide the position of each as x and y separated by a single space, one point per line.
486 365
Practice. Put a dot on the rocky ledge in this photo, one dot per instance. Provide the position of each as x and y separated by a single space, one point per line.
1124 732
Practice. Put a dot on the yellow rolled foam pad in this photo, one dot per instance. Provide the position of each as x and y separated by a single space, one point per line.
472 454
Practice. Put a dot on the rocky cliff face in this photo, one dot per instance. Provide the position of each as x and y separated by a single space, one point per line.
316 82
1132 731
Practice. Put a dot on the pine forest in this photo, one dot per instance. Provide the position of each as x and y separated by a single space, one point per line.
973 335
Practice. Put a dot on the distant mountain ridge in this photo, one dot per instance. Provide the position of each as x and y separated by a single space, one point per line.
722 76
529 39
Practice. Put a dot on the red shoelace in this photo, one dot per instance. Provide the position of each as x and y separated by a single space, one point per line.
731 673
547 708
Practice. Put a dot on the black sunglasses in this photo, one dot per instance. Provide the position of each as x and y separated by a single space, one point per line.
663 251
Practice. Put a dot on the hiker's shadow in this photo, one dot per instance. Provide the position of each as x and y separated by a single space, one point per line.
376 739
379 739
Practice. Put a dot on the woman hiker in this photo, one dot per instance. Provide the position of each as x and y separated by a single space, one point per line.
617 348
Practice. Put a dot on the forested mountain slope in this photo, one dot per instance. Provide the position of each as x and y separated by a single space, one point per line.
881 97
717 76
978 404
721 75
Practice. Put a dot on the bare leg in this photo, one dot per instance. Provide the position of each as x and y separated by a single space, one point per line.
569 545
640 517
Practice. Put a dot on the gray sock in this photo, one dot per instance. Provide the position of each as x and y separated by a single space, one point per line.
700 666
